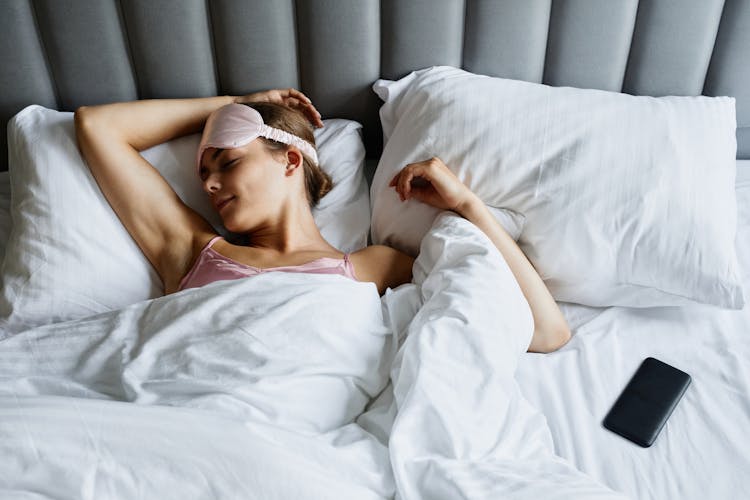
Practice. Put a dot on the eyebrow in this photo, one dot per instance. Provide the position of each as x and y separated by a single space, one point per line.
213 157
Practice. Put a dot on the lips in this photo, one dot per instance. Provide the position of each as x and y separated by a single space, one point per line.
223 203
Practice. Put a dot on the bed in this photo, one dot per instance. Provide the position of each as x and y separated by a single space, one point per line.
263 389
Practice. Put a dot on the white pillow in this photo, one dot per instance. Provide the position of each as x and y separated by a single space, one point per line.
629 200
69 256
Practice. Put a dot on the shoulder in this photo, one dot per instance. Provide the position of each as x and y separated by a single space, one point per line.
381 254
383 265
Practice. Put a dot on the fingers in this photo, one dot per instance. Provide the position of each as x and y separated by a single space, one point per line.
296 99
431 182
403 180
290 97
393 181
396 183
299 101
296 94
292 102
314 116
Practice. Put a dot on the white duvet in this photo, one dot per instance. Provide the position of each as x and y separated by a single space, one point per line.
258 388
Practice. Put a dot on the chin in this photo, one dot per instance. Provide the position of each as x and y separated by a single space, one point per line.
233 227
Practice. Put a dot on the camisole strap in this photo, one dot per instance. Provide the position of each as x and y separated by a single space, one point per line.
192 270
210 243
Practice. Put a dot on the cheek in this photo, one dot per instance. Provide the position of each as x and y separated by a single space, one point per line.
244 178
256 189
265 181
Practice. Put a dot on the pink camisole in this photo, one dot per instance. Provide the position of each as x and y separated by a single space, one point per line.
211 266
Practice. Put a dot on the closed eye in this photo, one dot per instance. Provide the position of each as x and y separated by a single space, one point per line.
203 172
225 165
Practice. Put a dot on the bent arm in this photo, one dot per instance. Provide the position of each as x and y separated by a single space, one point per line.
146 123
110 137
551 331
445 191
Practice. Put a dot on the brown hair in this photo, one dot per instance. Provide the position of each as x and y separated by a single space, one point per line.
317 182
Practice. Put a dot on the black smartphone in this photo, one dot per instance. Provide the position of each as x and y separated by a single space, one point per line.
647 402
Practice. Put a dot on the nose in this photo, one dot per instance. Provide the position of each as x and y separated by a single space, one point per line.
211 183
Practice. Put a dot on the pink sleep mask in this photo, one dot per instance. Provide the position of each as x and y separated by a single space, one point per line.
236 125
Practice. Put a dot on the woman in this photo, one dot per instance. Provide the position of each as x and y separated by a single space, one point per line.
257 164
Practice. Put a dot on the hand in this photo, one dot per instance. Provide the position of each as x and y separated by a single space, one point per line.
432 182
292 98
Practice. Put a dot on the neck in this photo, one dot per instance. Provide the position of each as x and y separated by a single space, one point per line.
294 230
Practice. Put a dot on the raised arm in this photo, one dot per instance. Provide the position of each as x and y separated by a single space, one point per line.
146 123
444 190
110 137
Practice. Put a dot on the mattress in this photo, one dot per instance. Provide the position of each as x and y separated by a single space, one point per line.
701 452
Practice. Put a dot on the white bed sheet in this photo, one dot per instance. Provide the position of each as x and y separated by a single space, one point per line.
701 452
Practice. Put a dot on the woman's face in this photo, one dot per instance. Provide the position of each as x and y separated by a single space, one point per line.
248 186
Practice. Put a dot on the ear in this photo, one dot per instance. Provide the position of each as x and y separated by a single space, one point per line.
294 160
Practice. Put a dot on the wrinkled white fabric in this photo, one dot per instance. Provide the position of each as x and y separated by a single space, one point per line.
239 389
258 388
462 429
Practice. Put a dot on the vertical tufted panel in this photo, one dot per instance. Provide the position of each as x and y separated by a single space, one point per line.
170 47
672 46
86 51
506 38
589 42
419 34
255 45
729 71
339 56
24 77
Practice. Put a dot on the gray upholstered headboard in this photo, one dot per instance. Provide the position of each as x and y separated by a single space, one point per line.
66 53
